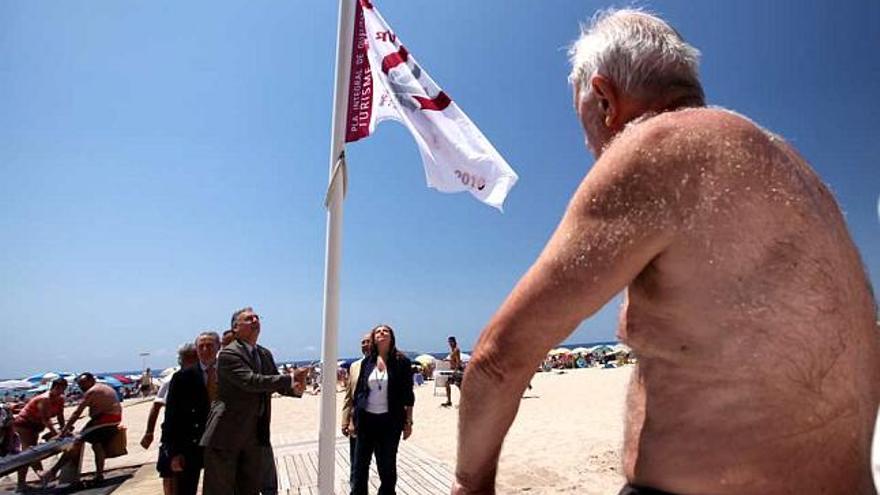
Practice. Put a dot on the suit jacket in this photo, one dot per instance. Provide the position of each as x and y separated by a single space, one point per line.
243 410
186 411
400 388
354 372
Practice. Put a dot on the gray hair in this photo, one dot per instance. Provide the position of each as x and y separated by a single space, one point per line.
187 349
637 50
235 315
208 333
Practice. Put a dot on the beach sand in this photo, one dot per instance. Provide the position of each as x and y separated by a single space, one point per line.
567 436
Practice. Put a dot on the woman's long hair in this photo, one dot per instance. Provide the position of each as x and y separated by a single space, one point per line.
393 353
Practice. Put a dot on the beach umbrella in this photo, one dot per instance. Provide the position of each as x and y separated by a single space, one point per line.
37 390
580 350
622 348
123 379
425 359
109 380
558 351
48 377
601 349
15 384
35 378
168 371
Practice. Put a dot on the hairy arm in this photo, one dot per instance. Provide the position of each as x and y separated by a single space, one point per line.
625 212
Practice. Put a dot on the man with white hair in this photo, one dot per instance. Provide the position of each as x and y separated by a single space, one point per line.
746 299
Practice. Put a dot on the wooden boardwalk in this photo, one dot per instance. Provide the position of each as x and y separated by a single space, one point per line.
417 472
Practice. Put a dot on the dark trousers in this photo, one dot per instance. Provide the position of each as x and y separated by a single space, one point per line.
236 472
186 482
376 434
352 445
269 481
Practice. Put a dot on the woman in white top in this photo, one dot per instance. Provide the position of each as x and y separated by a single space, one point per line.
383 402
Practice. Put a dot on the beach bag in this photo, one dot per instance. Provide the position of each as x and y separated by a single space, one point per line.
116 447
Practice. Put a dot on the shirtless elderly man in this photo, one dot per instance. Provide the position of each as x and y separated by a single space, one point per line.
747 302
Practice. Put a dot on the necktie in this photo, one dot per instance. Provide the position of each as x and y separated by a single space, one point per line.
257 363
211 385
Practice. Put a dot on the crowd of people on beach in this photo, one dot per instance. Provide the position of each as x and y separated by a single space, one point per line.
222 385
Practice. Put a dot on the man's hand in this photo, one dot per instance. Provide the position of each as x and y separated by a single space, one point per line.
177 463
300 375
407 430
345 430
147 440
299 380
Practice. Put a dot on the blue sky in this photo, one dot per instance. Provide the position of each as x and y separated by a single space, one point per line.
165 163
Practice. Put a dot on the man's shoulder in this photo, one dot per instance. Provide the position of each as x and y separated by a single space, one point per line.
686 132
235 348
656 165
188 373
355 366
99 388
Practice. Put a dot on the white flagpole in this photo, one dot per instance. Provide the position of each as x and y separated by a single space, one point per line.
335 195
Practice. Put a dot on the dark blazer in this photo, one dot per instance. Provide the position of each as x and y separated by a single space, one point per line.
400 388
243 391
186 411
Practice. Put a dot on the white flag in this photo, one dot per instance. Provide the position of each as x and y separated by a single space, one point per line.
387 83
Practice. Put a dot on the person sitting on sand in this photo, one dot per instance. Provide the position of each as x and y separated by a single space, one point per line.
728 245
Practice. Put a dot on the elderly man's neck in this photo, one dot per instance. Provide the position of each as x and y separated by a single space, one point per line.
675 99
640 109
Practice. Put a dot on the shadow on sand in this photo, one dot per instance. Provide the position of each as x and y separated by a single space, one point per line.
112 479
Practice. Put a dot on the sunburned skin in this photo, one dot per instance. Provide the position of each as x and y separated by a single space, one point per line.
747 306
101 400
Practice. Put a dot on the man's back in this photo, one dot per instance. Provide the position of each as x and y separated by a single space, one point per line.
186 411
102 399
754 326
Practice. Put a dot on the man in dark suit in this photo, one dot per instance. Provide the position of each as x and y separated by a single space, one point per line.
238 424
189 399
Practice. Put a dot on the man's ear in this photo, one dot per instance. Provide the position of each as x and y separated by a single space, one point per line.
609 103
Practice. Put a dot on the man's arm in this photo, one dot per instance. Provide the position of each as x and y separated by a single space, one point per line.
235 369
348 398
625 213
45 417
175 403
147 439
60 419
85 402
